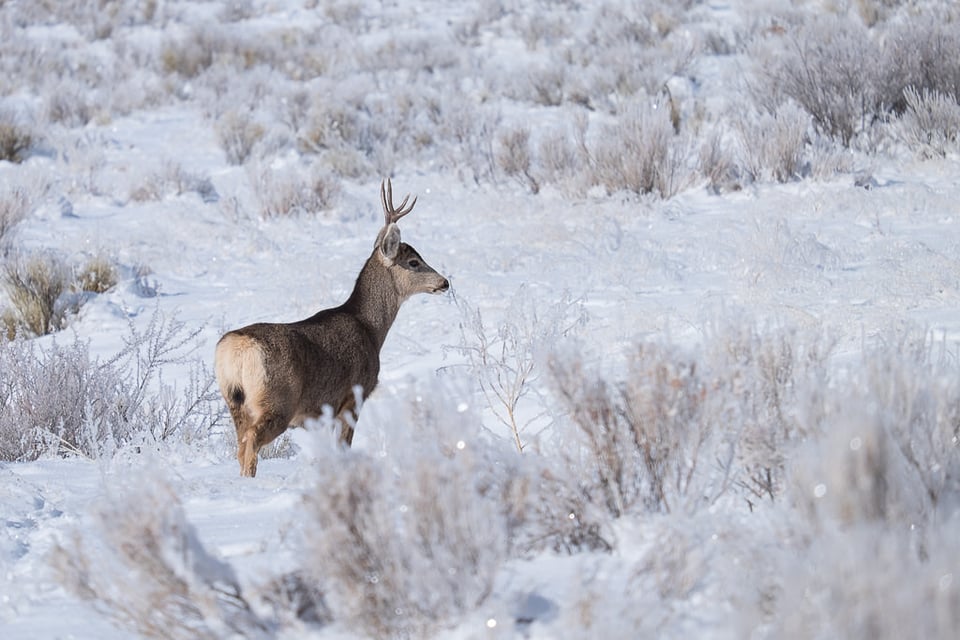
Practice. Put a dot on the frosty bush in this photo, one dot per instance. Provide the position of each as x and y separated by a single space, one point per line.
648 439
640 152
403 551
877 490
772 379
772 146
58 400
140 560
931 122
829 67
407 537
513 156
504 360
97 275
239 133
288 192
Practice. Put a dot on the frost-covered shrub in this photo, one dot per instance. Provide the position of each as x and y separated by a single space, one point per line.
503 357
829 66
406 536
773 146
923 52
514 157
173 179
288 192
404 550
868 583
238 133
772 380
931 122
140 560
877 496
559 156
640 152
649 439
717 164
58 400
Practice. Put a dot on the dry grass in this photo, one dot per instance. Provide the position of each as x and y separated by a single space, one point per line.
14 208
36 286
15 139
97 275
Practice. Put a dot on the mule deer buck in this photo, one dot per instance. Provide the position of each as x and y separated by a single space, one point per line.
276 375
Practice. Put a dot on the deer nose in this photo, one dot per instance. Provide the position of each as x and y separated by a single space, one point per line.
443 286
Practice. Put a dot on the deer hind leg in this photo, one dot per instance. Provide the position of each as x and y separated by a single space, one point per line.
261 433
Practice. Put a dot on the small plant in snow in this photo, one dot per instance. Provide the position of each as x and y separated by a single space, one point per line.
97 275
289 193
648 439
402 550
640 152
239 133
505 359
514 157
772 146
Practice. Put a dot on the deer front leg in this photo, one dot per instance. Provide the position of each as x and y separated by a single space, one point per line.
347 418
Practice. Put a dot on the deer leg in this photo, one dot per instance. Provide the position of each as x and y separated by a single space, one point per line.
347 417
240 421
267 427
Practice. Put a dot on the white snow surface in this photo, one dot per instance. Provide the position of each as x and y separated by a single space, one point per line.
820 253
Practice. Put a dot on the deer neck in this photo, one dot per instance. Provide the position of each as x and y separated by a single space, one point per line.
375 300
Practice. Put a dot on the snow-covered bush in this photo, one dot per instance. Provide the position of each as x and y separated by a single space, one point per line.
877 492
827 65
504 358
651 441
931 122
773 146
640 151
407 537
59 400
239 133
288 192
139 559
514 156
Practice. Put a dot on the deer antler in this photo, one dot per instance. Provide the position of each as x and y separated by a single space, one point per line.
390 213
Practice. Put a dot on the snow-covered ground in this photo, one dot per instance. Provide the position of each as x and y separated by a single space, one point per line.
865 259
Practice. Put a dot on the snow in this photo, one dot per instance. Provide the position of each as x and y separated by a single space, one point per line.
853 262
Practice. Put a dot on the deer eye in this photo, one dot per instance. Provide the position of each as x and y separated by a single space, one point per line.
413 263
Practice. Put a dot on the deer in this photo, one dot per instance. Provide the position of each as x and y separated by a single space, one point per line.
277 375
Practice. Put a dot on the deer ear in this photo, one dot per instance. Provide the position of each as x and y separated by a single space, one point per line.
390 242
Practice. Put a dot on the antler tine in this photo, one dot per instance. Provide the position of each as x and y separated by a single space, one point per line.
390 212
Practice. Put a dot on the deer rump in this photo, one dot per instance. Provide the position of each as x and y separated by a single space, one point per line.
276 375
